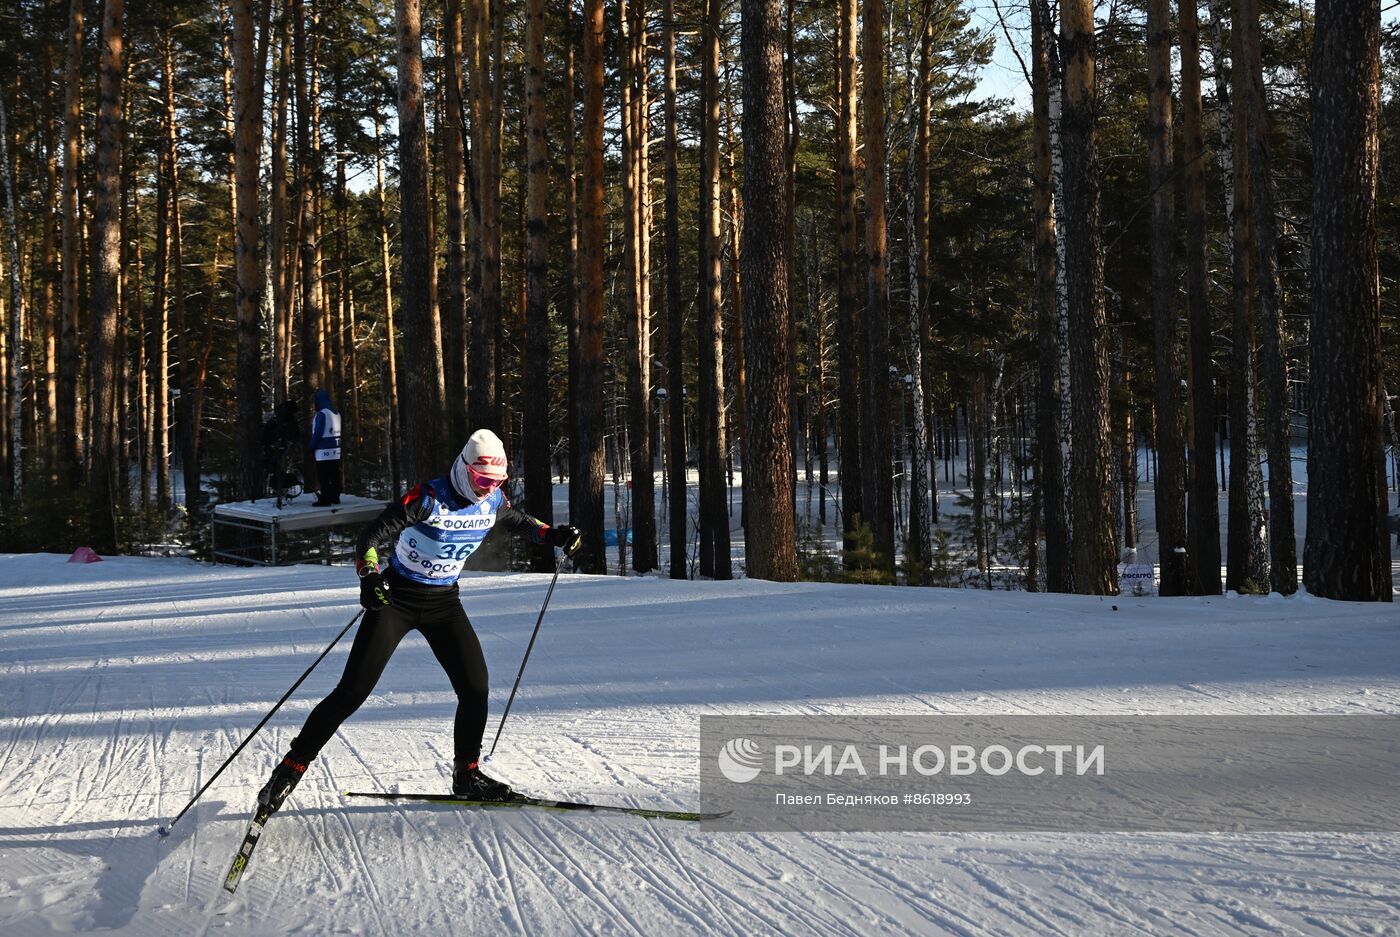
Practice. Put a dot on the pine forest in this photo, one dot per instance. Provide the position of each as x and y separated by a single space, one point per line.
992 293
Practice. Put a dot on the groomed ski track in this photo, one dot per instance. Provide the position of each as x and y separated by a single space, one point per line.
125 683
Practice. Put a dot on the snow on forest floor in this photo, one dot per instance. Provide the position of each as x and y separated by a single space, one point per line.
124 684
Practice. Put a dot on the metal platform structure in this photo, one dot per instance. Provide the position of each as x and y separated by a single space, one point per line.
293 533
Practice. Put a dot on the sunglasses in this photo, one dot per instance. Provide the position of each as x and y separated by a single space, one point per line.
482 482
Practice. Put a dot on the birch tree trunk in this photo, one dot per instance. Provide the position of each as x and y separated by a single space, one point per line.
1055 107
920 523
1050 474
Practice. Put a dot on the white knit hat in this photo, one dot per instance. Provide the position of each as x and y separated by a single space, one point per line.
485 453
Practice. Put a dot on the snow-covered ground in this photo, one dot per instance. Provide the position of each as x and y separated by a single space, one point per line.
124 684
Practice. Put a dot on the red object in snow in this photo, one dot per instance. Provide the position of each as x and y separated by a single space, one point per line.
84 555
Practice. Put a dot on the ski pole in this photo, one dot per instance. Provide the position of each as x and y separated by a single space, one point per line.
558 564
165 830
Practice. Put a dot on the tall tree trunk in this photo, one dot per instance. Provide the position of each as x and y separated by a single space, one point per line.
591 419
69 452
1273 366
734 424
1204 504
675 316
920 523
1060 202
1170 437
50 310
1346 551
1050 474
140 366
186 433
634 302
5 386
1094 564
1122 378
158 337
1246 556
277 236
571 278
877 496
770 546
454 312
644 553
15 362
539 491
482 403
105 279
325 318
714 512
492 233
308 183
850 351
423 454
247 156
395 419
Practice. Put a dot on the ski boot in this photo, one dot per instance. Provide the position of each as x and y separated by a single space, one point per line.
284 779
470 784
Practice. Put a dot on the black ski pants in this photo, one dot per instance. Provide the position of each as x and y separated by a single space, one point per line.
437 613
328 481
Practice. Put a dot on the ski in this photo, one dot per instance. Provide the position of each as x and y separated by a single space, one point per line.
245 851
538 803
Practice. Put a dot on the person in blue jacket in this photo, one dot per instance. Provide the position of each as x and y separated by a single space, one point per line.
427 536
325 446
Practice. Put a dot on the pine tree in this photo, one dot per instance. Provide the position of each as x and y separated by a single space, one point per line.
1346 554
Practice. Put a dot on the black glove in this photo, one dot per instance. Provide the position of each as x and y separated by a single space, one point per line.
566 537
374 591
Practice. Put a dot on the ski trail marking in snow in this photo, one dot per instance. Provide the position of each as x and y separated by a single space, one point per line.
584 881
684 869
366 868
118 685
502 868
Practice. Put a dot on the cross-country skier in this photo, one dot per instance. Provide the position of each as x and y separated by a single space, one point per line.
429 533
